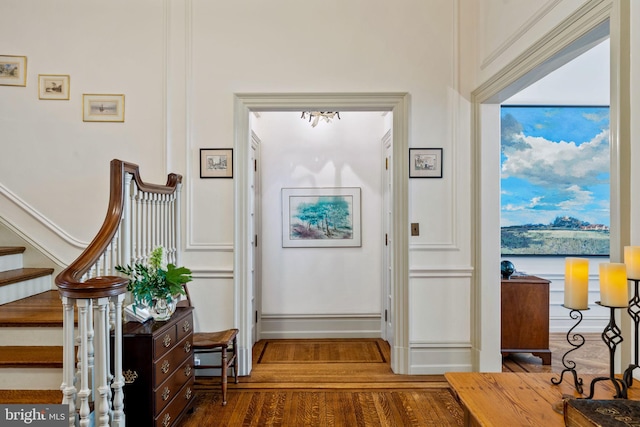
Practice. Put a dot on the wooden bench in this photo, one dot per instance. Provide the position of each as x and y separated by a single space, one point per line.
520 399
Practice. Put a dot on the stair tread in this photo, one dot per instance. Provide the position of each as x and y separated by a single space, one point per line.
44 309
11 250
20 274
30 396
31 356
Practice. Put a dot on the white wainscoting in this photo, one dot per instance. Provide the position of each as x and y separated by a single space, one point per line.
275 326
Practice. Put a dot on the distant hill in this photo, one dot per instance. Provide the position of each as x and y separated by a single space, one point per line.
563 236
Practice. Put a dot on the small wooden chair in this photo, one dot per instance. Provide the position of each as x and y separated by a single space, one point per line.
223 342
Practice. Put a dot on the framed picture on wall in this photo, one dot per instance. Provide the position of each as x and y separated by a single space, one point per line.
13 70
53 86
321 217
216 163
425 162
102 108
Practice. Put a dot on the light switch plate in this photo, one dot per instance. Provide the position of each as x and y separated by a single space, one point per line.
415 229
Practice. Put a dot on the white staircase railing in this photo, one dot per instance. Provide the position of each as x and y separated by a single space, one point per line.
140 217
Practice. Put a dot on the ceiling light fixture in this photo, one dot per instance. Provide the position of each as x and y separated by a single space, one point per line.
315 116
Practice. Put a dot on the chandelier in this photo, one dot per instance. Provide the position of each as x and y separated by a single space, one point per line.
315 116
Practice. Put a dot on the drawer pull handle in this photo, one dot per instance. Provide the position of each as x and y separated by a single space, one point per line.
166 420
186 326
165 366
165 393
167 340
187 394
187 347
187 370
129 376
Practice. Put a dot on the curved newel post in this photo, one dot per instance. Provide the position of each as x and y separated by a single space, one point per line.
576 341
612 336
634 312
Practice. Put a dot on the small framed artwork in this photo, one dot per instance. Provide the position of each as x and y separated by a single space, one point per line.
13 70
321 217
53 86
425 162
102 108
216 163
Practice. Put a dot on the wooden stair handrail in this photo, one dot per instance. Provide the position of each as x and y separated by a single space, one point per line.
68 281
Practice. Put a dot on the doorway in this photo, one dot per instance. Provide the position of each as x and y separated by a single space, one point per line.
245 104
577 34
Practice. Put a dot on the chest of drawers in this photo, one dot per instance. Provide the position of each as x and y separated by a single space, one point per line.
157 363
525 317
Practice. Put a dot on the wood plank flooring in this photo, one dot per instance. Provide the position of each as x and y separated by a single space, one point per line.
289 388
293 384
316 393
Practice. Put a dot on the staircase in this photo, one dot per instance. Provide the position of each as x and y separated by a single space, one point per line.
30 332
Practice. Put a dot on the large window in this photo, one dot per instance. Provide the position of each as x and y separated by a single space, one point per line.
555 180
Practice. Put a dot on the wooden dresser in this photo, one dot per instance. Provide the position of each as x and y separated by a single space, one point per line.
158 369
525 317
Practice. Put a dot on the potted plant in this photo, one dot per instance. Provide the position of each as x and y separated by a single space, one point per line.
155 287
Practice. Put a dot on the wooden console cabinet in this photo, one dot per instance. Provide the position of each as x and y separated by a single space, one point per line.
525 317
158 369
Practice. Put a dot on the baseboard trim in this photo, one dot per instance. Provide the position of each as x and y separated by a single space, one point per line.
279 326
434 360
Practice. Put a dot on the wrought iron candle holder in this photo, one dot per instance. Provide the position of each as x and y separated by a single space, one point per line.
634 312
575 340
612 336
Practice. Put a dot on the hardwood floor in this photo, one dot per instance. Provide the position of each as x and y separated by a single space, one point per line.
326 383
300 382
350 383
591 358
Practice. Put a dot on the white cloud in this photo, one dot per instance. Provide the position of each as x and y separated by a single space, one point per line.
556 164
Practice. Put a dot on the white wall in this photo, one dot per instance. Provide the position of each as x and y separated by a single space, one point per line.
344 153
179 64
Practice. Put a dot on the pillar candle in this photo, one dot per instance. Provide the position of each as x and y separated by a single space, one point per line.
576 283
613 285
632 261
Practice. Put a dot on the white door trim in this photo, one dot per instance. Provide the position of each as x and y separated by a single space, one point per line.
573 36
397 103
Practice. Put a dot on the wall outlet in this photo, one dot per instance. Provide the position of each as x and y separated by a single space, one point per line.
415 229
196 361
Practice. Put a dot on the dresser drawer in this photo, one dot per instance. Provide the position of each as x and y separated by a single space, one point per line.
185 327
164 342
173 410
164 367
167 390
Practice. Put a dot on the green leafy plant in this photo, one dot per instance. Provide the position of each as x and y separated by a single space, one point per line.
151 282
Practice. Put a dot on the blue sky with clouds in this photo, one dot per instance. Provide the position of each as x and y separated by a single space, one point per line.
554 162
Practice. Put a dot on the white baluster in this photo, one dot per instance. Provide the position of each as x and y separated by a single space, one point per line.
84 310
101 388
118 383
68 366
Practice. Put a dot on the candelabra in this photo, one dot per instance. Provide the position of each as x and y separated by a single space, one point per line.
634 312
576 341
612 336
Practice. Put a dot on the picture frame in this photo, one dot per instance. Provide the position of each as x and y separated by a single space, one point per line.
216 163
425 162
102 107
13 70
321 217
561 223
54 86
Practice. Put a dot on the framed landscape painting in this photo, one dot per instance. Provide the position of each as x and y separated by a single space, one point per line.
321 217
554 180
13 70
